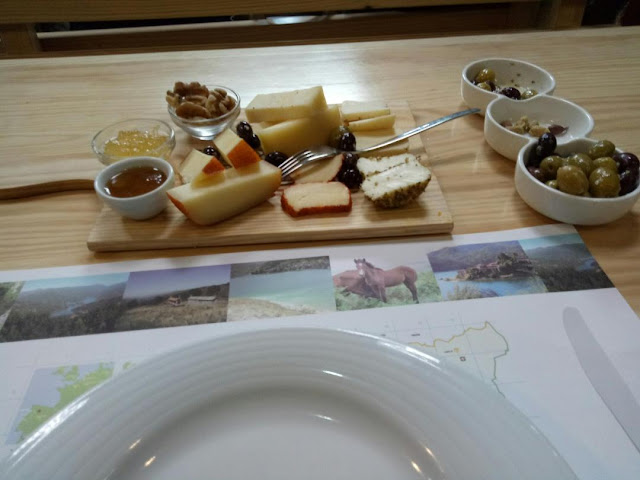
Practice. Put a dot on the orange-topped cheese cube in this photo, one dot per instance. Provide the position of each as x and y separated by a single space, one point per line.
235 150
209 173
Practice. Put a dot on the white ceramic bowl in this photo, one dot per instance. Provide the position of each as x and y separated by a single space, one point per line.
567 208
143 206
509 72
543 108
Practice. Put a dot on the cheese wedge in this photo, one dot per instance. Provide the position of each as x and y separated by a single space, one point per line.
210 173
360 110
235 150
321 171
192 165
377 123
234 191
294 135
278 107
373 137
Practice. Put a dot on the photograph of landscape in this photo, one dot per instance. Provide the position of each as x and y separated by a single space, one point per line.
9 292
280 288
484 270
374 282
175 297
62 307
564 263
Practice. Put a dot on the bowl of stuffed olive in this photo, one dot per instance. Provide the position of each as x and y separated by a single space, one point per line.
583 181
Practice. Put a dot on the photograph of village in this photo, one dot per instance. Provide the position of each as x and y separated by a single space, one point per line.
374 281
564 263
280 288
61 307
174 297
484 270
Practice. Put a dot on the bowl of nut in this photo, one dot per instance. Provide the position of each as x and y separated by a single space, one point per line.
484 80
509 126
203 112
583 181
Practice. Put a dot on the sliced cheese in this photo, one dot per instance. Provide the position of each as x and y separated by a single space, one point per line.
310 198
277 107
371 166
235 150
236 190
192 165
294 135
210 173
373 137
360 110
376 123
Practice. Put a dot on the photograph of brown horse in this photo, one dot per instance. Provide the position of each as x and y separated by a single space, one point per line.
378 279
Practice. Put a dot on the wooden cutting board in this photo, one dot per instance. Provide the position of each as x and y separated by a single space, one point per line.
268 223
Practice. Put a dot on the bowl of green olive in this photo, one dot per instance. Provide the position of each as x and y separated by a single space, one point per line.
490 78
583 181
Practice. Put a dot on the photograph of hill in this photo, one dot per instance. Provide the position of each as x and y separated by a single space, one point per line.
484 270
61 307
280 288
9 292
564 263
175 297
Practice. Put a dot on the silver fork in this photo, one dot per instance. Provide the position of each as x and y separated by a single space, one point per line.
322 152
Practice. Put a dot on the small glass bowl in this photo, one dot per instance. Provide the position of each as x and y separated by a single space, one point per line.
141 124
207 128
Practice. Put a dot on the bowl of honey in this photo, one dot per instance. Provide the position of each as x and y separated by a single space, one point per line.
136 187
133 138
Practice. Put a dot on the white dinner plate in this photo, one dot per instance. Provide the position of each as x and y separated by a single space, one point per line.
289 404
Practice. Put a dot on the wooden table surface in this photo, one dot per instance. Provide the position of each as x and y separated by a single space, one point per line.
52 108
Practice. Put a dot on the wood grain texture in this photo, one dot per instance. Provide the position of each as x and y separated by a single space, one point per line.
268 223
54 106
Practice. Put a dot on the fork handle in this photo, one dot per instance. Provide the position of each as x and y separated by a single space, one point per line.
420 129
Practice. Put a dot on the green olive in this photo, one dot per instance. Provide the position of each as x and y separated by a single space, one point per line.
528 93
604 183
572 180
582 161
552 184
606 162
550 166
484 86
485 75
336 134
604 148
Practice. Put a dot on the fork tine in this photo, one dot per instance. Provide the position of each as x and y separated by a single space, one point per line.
310 158
296 157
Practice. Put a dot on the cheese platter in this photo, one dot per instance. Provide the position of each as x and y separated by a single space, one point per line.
197 223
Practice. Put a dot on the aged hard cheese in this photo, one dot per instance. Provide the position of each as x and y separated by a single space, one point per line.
373 137
277 107
377 123
360 110
193 165
237 190
235 150
294 135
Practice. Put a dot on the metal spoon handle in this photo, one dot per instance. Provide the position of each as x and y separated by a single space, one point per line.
420 129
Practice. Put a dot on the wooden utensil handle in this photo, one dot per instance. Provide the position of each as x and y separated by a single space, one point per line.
24 191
